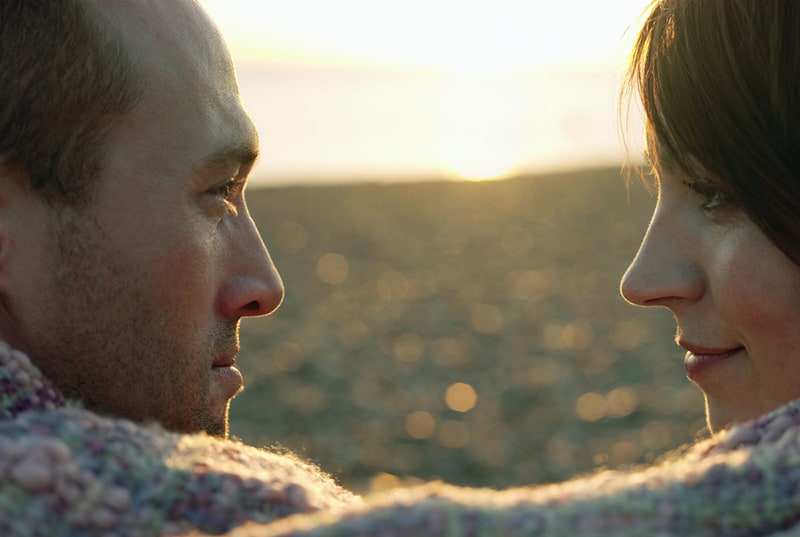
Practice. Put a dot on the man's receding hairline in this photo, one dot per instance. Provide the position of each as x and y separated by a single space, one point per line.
242 148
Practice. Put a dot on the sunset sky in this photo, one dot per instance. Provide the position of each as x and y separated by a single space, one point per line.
452 35
477 66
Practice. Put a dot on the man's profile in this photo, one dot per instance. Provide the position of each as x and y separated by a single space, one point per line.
129 256
127 259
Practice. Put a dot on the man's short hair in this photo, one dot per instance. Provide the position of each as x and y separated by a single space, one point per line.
64 81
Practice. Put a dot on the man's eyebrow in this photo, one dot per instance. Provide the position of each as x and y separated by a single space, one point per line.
243 154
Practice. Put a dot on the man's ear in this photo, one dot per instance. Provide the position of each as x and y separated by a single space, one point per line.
16 195
22 220
9 179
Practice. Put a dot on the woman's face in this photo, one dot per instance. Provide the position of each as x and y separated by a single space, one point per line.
734 295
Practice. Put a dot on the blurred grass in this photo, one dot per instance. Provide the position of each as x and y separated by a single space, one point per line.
469 332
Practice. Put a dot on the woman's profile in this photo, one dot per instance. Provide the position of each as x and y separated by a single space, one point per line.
720 87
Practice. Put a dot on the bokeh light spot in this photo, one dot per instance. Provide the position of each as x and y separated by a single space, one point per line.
394 285
461 397
291 237
420 424
354 333
333 268
620 402
409 347
528 285
577 335
656 434
590 406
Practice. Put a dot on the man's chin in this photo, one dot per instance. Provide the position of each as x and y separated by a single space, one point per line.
218 428
215 423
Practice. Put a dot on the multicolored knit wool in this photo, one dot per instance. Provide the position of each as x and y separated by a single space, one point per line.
745 482
69 472
65 471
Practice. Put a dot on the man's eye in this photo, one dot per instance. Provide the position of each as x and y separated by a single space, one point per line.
714 197
228 189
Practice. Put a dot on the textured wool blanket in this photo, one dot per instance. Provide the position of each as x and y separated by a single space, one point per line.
745 482
66 471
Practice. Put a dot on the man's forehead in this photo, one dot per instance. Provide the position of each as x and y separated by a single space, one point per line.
154 16
173 32
190 113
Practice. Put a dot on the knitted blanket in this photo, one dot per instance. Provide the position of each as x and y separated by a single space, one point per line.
69 472
745 482
65 471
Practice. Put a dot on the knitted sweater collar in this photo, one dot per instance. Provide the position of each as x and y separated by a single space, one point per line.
743 482
22 385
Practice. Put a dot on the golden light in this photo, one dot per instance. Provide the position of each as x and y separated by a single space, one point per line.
461 397
477 61
420 424
480 36
481 132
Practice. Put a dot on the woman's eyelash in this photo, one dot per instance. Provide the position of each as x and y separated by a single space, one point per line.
714 196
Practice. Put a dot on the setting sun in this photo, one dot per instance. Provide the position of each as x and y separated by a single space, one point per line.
481 132
366 90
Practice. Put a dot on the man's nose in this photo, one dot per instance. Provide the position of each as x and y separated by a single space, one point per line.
664 272
254 286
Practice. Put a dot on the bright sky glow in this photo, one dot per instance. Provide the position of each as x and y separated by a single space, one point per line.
484 48
477 109
453 35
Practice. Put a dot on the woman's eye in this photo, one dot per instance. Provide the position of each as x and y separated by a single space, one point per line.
714 197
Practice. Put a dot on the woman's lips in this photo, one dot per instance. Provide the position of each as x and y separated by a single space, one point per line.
699 361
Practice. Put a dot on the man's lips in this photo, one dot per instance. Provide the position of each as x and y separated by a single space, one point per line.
227 359
224 371
699 360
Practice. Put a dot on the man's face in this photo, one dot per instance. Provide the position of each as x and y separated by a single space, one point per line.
132 304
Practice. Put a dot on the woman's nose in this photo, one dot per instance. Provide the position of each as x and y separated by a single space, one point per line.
664 272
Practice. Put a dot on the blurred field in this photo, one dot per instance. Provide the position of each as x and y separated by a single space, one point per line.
469 332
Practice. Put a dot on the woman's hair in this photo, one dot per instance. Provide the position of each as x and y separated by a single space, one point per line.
64 80
719 82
